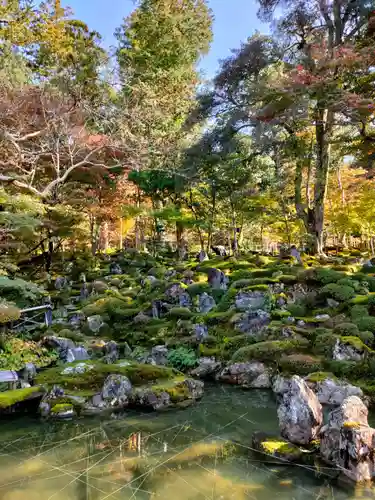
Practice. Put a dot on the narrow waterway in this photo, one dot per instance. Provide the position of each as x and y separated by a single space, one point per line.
198 453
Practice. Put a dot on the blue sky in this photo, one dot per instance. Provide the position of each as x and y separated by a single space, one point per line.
235 20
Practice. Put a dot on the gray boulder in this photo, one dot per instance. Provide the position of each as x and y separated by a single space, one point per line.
116 390
149 399
184 299
202 256
334 392
205 303
217 279
201 332
159 355
60 344
111 352
94 323
347 352
252 322
347 441
249 375
251 301
77 354
115 268
208 368
280 385
300 413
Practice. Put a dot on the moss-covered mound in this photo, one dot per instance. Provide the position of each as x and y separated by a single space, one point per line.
276 447
10 398
93 378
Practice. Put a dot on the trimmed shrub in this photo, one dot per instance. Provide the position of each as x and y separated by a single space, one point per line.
366 324
300 364
288 279
243 283
270 350
182 358
358 311
337 292
197 289
296 310
346 329
241 275
366 337
180 312
324 344
320 275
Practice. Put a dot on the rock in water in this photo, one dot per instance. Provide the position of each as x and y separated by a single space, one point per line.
347 441
116 390
300 413
250 375
206 303
207 368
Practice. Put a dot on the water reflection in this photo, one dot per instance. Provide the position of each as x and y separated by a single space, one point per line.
202 452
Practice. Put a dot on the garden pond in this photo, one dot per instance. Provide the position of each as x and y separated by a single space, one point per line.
200 452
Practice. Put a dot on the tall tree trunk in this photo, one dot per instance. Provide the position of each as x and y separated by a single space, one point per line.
121 242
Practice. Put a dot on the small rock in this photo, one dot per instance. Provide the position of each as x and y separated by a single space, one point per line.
252 322
77 369
207 368
115 268
217 279
205 303
250 375
116 390
201 332
77 354
251 301
347 352
142 318
332 303
111 352
44 409
94 323
322 317
159 354
301 323
184 299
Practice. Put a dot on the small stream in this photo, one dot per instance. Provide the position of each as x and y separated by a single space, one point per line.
202 452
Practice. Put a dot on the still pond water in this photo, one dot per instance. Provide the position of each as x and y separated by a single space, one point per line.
199 453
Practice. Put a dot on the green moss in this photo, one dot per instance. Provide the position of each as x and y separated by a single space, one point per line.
300 364
324 344
280 448
346 329
61 407
217 317
359 300
227 300
180 312
10 398
297 310
355 342
93 379
288 279
269 350
320 376
239 284
366 323
279 313
198 288
358 312
241 275
320 275
367 338
341 293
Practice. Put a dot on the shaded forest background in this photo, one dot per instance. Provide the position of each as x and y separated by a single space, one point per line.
101 150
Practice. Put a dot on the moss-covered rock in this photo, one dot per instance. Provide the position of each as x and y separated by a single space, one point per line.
269 350
10 398
341 293
366 323
346 329
180 313
93 379
276 447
